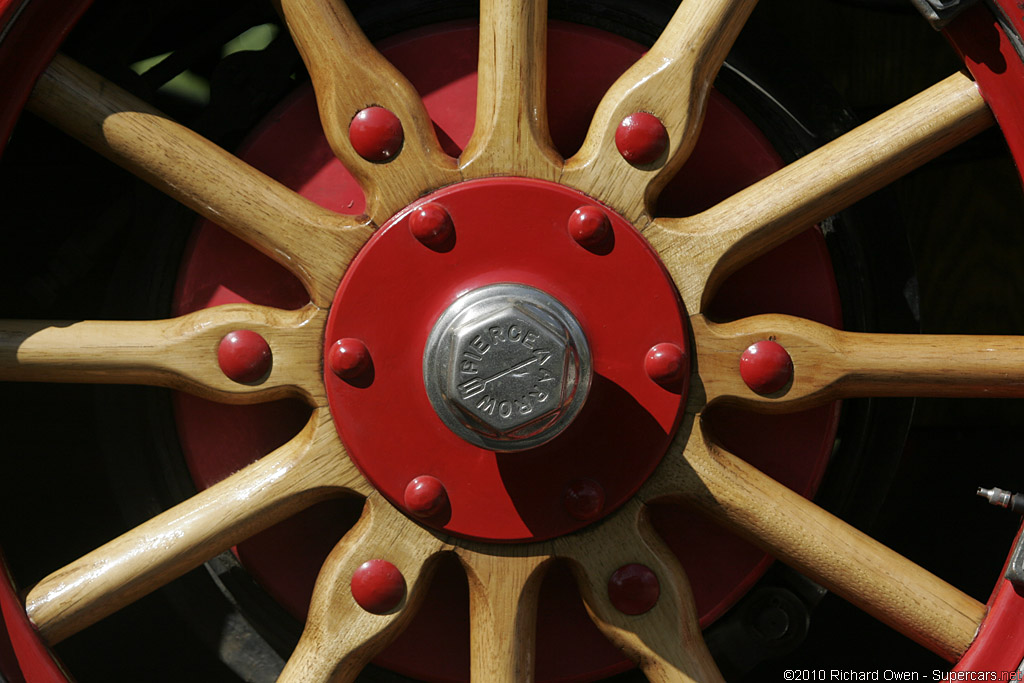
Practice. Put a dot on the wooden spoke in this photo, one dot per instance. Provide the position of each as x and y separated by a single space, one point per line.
311 467
180 353
701 251
340 636
511 132
796 531
349 75
830 364
671 82
665 640
504 584
313 243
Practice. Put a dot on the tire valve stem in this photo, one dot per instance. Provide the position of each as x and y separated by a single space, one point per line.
1003 499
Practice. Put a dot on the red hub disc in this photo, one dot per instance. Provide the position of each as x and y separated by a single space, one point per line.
508 230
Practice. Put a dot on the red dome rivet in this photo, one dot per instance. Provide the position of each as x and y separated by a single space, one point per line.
244 356
425 496
584 499
377 586
431 224
589 225
376 134
634 589
641 138
665 363
766 367
349 358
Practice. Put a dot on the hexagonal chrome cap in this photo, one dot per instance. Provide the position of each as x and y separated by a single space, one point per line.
507 367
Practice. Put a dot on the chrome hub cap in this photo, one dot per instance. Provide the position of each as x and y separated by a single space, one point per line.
507 367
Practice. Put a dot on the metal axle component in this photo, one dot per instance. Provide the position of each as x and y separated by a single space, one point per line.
1003 498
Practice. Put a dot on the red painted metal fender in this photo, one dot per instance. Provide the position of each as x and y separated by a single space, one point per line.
997 68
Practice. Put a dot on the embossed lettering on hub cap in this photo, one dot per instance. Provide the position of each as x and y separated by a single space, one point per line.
507 367
511 370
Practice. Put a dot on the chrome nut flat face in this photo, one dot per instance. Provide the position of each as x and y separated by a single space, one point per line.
511 372
507 367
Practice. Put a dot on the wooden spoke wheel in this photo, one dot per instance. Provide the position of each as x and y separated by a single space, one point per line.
504 351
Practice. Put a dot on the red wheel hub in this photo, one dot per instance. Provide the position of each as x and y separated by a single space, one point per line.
509 230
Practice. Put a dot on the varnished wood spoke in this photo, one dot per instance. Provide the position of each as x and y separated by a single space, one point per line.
829 364
311 467
349 75
671 82
504 584
511 132
180 353
340 636
666 639
848 562
701 251
313 243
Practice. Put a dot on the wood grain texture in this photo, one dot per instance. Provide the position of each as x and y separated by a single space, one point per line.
830 364
313 243
311 467
180 353
340 637
848 562
511 135
504 587
702 250
666 641
349 74
671 81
